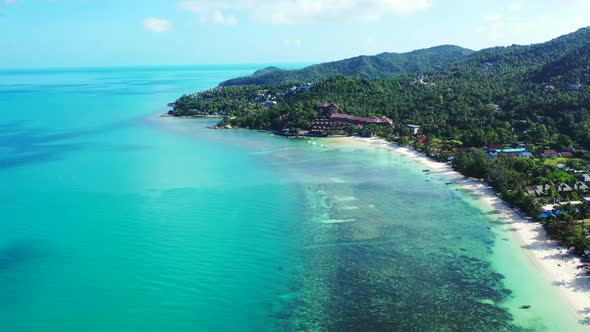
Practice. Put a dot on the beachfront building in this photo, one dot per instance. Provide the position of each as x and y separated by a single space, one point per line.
538 190
580 187
414 128
343 119
330 119
326 110
553 210
534 190
563 189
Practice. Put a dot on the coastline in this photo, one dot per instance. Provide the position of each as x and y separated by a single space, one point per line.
166 115
557 266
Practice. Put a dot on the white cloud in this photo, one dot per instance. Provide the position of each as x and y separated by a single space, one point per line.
154 24
9 2
199 6
308 11
217 17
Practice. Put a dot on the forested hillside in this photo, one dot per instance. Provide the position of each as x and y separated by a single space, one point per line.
535 93
572 68
379 66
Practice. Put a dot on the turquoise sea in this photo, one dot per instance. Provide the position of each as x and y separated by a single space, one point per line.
112 219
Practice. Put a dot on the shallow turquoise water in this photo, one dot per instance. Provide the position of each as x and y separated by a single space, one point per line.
113 219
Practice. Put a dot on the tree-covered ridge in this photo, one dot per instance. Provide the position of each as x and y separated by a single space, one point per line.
478 113
527 57
495 96
378 66
447 60
568 71
236 100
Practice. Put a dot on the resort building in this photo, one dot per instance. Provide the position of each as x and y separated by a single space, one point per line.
330 118
513 152
326 110
359 120
538 190
550 154
566 154
580 187
562 189
415 129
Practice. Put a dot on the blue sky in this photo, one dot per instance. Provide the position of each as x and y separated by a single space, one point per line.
71 33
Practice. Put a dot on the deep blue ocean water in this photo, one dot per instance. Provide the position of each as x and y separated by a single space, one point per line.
114 219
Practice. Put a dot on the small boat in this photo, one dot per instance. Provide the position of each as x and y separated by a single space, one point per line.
525 306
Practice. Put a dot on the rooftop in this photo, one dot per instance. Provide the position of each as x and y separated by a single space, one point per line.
340 116
515 150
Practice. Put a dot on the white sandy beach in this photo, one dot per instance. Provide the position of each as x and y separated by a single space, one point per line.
559 267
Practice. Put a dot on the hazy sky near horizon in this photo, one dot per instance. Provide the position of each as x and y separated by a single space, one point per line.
66 33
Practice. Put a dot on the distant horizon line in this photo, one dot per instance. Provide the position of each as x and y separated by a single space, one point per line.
266 64
106 67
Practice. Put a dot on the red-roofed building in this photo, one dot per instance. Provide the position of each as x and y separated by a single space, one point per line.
550 154
338 117
566 154
327 110
330 118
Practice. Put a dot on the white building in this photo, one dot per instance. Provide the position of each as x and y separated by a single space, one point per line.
415 128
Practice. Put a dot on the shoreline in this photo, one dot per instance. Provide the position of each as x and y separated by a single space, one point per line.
166 115
557 265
